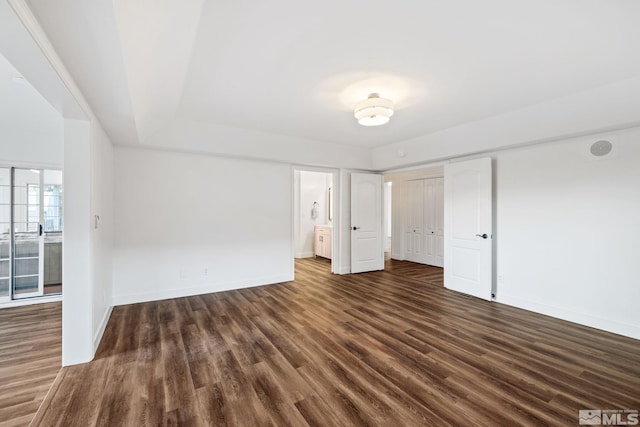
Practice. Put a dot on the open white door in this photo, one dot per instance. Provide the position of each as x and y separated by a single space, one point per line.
467 227
367 251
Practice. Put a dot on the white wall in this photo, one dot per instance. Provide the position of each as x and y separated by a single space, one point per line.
102 176
387 209
31 130
568 231
613 106
312 187
196 136
189 224
343 244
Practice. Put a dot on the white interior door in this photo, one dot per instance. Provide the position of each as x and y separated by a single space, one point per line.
366 223
467 227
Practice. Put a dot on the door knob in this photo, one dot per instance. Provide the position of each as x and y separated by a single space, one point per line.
355 228
484 236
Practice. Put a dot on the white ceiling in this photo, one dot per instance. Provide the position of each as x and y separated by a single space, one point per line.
296 68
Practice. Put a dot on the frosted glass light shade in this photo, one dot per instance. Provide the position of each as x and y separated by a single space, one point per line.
374 111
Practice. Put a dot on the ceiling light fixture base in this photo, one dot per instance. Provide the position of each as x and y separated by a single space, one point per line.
373 111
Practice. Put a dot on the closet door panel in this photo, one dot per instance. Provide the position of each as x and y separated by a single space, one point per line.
408 221
417 213
429 220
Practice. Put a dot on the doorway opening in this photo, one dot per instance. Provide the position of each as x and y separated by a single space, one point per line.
314 216
387 198
442 217
414 216
31 203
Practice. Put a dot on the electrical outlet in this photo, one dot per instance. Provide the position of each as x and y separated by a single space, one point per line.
205 272
183 273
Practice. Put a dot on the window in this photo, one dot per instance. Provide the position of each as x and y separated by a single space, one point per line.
33 207
52 208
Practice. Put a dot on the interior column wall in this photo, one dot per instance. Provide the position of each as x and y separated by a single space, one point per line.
77 307
102 229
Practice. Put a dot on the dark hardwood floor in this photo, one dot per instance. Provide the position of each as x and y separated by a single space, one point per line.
53 289
390 348
30 358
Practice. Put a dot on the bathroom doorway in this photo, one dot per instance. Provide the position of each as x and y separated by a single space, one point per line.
314 216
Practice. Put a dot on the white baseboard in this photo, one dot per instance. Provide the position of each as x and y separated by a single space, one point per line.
197 290
305 254
344 270
97 337
620 328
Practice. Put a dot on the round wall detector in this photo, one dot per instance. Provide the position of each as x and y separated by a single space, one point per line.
601 148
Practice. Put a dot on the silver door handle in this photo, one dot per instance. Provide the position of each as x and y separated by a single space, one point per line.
484 236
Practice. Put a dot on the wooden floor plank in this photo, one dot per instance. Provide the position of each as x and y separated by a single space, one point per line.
30 358
388 348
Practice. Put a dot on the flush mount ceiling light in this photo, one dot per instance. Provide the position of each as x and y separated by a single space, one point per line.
374 111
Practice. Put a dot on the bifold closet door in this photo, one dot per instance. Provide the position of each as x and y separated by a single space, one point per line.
434 221
424 221
415 224
430 221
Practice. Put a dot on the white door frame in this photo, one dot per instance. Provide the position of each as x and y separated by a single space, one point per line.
335 222
400 189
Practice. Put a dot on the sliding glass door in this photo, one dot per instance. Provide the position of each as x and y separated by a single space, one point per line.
52 229
5 234
30 232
